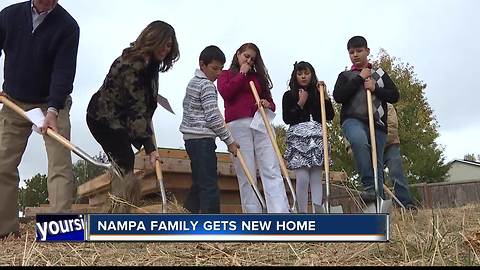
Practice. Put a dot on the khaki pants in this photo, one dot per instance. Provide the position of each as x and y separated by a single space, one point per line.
14 134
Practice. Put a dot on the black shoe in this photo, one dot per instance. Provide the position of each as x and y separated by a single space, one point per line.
368 196
12 235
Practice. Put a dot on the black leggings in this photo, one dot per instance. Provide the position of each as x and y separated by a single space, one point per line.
115 142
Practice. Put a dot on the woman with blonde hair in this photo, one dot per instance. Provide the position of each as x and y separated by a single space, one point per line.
120 112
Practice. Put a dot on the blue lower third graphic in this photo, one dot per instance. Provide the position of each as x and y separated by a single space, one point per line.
237 228
63 228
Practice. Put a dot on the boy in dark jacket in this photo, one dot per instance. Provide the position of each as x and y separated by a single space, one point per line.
350 91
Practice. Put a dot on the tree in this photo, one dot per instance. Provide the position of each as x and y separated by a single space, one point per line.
281 137
84 171
471 157
423 158
34 193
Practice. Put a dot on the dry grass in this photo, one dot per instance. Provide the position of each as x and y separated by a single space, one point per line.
431 237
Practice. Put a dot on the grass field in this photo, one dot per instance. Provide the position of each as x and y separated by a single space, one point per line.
430 237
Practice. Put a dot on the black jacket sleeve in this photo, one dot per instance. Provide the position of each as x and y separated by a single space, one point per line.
345 89
2 31
64 67
329 110
316 110
389 93
291 111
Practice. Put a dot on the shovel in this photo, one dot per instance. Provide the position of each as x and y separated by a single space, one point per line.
293 208
59 138
158 172
381 205
325 207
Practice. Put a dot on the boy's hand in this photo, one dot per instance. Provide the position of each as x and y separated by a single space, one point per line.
245 68
365 73
233 148
319 88
369 84
49 122
302 97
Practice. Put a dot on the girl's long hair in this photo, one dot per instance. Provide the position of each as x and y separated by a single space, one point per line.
154 36
293 84
258 67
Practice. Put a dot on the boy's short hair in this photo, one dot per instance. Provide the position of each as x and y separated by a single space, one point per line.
211 53
357 42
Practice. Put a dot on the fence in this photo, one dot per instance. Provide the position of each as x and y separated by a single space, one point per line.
447 194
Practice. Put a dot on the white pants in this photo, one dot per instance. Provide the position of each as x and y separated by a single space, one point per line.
257 150
306 177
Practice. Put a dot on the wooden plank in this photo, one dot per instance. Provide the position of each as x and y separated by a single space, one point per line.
337 176
92 186
142 162
178 161
175 165
98 199
183 181
77 209
177 182
182 154
74 206
224 208
99 184
226 197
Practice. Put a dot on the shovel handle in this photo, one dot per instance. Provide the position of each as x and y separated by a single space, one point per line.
274 144
371 126
158 172
373 142
56 136
393 196
326 158
251 180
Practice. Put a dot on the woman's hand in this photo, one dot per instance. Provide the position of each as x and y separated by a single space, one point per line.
320 85
154 156
302 97
265 103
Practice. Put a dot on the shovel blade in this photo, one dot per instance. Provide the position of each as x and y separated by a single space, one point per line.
322 209
385 206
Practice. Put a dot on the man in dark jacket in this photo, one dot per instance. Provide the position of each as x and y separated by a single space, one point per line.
40 42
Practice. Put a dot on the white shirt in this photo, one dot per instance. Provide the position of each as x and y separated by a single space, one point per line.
38 18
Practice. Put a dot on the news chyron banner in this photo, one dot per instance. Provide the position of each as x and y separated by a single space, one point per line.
234 228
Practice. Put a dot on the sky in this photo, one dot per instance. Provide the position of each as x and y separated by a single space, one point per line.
439 38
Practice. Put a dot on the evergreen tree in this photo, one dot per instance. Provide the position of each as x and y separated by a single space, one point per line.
34 193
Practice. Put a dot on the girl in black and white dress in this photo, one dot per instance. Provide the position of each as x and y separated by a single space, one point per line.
304 153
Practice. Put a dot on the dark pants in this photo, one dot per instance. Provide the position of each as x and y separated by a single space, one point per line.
115 142
204 195
393 161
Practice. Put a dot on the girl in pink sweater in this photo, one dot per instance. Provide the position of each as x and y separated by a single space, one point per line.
240 107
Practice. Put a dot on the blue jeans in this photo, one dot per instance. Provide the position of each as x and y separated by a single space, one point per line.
393 161
204 195
358 134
